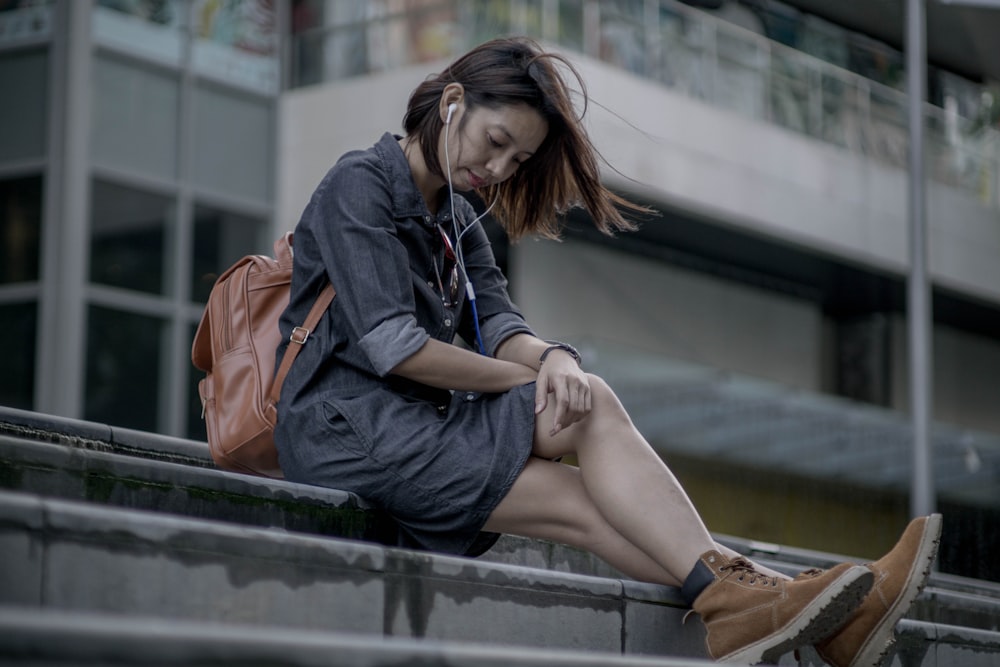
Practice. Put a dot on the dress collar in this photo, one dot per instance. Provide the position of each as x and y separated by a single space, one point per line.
407 202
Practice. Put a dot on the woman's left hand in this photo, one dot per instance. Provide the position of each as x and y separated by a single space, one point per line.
569 387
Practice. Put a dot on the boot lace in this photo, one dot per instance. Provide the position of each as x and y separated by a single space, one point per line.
745 570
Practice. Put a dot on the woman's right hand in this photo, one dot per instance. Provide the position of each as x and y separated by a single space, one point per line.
562 381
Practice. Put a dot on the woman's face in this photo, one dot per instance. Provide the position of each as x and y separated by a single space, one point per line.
486 146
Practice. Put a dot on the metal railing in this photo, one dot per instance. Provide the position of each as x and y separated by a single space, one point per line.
685 49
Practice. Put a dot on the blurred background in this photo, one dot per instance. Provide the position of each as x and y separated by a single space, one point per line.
755 328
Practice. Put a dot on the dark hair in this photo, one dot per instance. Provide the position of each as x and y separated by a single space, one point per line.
564 171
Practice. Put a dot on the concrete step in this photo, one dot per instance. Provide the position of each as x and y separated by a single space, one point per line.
149 482
56 458
81 434
923 644
69 563
47 638
30 637
82 557
74 459
72 473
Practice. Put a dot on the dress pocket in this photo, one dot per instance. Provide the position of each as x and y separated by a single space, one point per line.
345 432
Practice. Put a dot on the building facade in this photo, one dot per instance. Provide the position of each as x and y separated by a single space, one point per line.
137 158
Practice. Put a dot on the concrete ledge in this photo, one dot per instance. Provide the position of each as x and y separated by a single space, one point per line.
32 638
55 468
938 645
922 644
65 470
101 437
91 558
59 471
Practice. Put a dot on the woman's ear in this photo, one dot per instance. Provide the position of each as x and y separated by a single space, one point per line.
451 102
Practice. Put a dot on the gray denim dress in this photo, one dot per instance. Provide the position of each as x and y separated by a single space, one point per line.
438 462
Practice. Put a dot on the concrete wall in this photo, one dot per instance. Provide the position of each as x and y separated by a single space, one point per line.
966 376
598 292
574 289
319 124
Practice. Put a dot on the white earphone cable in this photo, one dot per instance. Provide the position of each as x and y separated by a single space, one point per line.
460 230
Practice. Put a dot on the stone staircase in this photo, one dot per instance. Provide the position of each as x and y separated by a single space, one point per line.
128 548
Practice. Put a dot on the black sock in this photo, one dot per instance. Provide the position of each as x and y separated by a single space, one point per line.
697 581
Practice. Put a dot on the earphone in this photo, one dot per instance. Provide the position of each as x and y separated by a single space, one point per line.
460 230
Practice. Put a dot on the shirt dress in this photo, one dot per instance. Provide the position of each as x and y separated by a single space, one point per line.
438 462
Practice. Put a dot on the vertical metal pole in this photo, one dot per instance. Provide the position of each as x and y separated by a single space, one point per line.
919 292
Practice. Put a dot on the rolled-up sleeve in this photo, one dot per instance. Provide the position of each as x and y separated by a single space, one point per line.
392 341
499 328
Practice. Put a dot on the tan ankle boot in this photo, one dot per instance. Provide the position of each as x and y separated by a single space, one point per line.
900 575
751 617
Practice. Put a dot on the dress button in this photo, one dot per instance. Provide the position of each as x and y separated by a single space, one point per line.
430 283
470 397
447 322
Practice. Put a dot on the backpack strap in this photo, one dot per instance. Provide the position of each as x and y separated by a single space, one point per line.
299 337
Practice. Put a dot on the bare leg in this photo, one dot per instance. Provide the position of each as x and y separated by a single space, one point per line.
548 501
624 504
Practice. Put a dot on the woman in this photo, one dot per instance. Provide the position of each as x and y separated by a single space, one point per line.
454 441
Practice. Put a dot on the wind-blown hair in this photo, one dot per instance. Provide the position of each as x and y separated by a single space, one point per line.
563 173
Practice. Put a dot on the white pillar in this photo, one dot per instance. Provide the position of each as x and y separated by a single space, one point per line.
62 339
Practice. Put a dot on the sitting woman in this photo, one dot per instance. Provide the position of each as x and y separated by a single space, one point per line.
454 441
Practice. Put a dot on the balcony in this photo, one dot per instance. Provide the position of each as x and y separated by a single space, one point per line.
686 50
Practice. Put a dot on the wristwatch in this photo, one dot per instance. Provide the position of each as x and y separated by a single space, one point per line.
558 345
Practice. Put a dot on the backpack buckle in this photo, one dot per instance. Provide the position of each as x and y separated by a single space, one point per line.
299 335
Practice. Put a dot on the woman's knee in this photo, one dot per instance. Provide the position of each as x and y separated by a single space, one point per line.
607 421
607 410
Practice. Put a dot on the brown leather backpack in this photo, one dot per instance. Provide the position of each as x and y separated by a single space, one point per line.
235 346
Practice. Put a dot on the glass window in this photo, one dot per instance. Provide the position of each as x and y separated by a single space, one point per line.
135 118
25 19
157 12
232 143
128 238
490 18
571 24
238 42
345 48
17 364
221 238
123 368
307 41
20 229
24 111
151 28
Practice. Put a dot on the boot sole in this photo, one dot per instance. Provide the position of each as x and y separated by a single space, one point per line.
874 649
828 610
